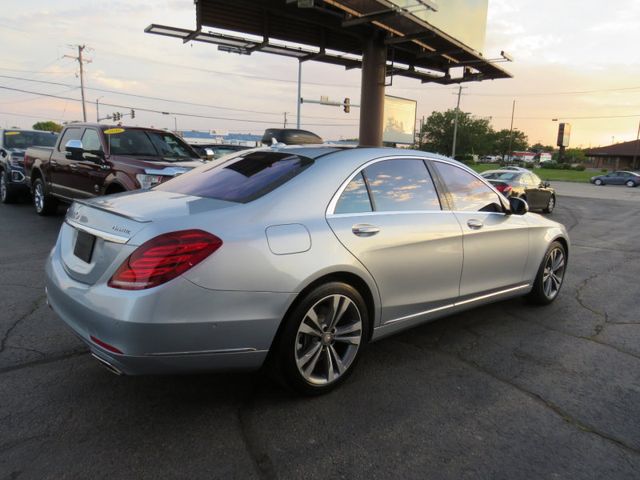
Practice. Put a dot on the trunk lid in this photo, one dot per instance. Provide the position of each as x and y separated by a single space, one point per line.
96 236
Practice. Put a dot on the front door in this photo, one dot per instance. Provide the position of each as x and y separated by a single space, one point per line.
496 244
60 163
390 218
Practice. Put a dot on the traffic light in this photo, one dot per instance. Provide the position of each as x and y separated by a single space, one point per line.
347 105
133 113
117 116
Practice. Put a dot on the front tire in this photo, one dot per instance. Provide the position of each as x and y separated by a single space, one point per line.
44 204
7 193
550 275
598 182
551 204
322 339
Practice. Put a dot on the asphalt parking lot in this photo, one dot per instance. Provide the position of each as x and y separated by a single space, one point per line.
505 391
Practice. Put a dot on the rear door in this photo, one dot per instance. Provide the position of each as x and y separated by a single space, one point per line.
496 244
389 217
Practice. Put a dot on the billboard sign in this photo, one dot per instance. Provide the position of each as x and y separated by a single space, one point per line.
564 132
463 20
399 120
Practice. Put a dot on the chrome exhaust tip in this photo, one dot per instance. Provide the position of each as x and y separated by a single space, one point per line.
107 365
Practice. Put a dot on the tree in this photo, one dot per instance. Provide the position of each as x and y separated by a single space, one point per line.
502 138
48 126
539 148
474 134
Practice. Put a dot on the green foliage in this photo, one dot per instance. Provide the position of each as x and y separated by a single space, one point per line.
501 140
475 135
539 148
48 126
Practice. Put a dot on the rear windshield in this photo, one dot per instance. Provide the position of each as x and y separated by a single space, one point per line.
22 139
249 177
149 144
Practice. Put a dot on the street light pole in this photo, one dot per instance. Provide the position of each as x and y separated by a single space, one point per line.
635 153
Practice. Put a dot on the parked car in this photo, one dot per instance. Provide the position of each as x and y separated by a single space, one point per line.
217 150
92 159
13 143
515 168
620 177
298 255
525 185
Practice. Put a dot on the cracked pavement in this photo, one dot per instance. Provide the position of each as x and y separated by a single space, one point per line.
503 391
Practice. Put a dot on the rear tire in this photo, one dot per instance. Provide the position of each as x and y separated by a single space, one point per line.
550 277
44 203
7 192
322 339
630 184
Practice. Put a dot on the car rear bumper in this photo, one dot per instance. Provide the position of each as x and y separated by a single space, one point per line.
178 327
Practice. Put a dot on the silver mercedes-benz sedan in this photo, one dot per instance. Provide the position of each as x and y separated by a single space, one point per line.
294 257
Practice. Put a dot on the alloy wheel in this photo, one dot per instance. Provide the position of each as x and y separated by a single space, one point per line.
38 197
552 203
3 188
553 273
328 339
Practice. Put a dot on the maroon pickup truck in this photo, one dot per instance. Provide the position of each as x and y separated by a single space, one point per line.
92 159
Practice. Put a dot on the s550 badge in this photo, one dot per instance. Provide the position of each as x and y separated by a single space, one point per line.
119 229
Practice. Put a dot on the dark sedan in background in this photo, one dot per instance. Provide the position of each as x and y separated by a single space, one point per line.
620 177
525 185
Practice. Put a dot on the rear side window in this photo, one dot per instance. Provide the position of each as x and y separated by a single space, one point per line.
401 185
243 180
69 134
467 193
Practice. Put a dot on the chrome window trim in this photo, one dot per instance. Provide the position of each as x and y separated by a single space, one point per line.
456 304
109 237
336 196
330 211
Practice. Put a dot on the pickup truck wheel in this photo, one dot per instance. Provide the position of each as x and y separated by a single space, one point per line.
45 204
7 194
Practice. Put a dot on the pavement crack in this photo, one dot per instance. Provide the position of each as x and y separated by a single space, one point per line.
44 361
262 463
557 410
34 306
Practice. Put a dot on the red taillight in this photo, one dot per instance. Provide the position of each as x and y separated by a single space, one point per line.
503 188
164 258
105 345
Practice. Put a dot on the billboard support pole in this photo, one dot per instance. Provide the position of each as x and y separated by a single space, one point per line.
299 94
372 92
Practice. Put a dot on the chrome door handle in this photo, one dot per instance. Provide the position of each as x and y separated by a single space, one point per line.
475 224
364 230
53 163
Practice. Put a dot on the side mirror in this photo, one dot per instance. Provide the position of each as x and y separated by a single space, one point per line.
209 154
518 206
546 184
73 149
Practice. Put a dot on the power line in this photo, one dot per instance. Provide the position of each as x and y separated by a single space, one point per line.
147 97
150 110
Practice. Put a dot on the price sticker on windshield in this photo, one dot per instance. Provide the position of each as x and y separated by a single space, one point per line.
113 131
12 133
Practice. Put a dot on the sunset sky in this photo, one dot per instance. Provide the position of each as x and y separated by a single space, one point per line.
574 60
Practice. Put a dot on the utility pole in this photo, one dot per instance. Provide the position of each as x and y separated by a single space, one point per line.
284 125
513 111
81 61
455 123
635 153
